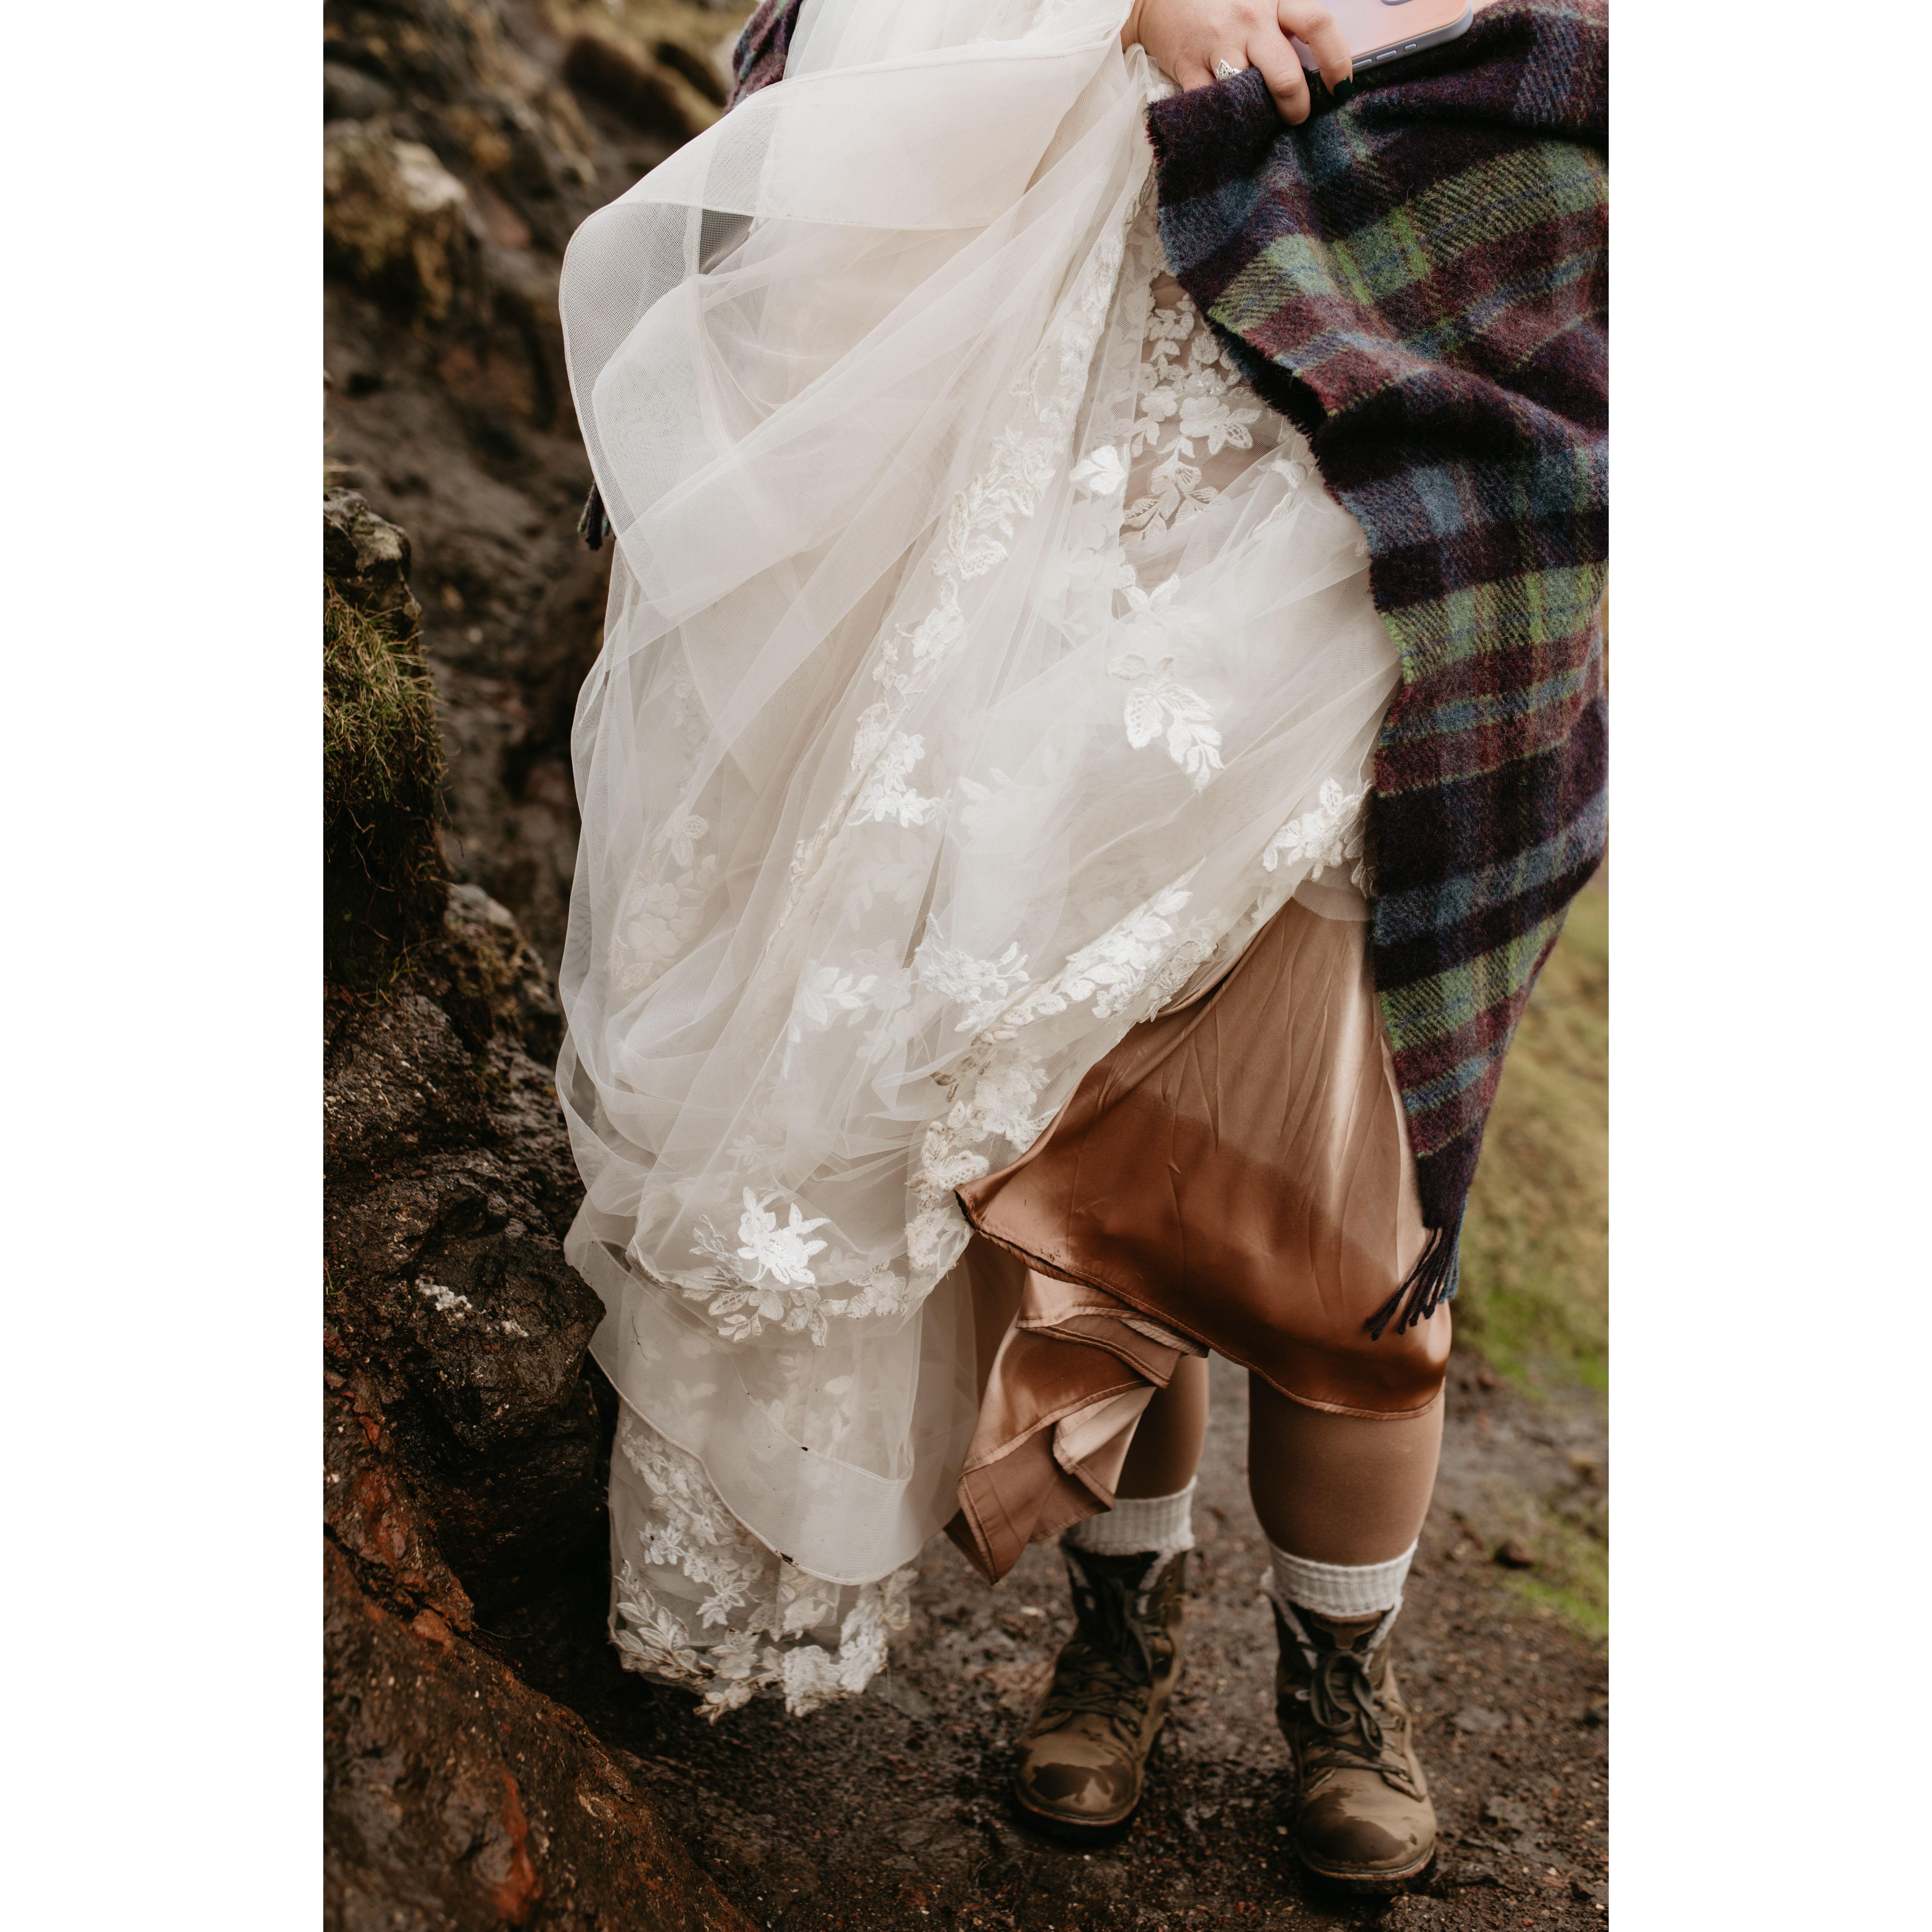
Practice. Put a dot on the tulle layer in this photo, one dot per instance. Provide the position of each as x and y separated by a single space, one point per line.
905 793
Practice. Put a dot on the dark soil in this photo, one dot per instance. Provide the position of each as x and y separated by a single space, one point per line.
890 1811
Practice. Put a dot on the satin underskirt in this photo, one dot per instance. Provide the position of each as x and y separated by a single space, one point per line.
1235 1176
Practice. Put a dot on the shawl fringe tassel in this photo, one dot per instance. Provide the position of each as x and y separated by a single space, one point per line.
1431 1282
592 525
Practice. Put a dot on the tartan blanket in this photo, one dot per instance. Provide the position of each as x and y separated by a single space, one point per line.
1418 279
759 58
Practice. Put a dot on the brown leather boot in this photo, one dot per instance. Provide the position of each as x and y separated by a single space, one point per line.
1083 1760
1363 1817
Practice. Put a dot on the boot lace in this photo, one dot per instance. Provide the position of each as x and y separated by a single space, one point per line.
1107 1670
1090 1683
1340 1697
1341 1700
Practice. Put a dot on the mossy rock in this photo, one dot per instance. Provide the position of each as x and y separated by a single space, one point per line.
385 881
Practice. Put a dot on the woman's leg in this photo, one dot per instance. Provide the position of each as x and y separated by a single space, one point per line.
1083 1760
1339 1489
1342 1498
1166 1448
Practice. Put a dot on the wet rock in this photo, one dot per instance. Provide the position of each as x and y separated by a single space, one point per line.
370 1510
396 220
366 557
349 94
493 980
1515 1554
505 1324
711 78
399 1083
458 1797
643 96
450 1187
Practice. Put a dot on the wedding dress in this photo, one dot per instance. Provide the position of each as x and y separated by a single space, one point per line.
984 666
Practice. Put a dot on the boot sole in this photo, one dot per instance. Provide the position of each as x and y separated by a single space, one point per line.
1359 1882
1072 1831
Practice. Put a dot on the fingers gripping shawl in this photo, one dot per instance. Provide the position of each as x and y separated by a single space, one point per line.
1418 280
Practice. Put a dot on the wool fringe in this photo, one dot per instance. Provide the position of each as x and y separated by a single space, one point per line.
1427 1285
592 525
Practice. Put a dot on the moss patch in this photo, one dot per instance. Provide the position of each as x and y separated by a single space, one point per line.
1534 1293
1566 1532
384 876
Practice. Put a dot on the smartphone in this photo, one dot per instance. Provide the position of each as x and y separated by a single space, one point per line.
1382 31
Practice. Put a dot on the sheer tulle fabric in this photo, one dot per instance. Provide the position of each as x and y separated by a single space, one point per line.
914 770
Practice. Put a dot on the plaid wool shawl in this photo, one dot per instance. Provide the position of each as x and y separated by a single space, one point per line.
1417 279
759 58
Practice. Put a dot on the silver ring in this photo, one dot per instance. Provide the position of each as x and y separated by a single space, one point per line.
1226 69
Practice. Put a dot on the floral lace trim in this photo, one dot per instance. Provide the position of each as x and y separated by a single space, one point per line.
772 1273
980 521
1327 838
765 1608
1191 403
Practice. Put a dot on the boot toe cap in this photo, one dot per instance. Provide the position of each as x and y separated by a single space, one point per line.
1348 1839
1078 1794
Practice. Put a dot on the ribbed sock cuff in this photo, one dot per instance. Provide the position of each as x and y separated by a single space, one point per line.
1162 1526
1340 1589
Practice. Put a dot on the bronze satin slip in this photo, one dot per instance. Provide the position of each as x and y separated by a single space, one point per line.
1233 1176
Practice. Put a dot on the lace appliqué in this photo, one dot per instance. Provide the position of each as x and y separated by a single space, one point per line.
1192 403
1329 837
993 1094
980 522
1159 703
1141 959
768 1612
1118 967
885 796
1023 461
772 1274
982 987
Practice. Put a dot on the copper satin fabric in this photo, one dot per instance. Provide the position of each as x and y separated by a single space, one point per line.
1233 1176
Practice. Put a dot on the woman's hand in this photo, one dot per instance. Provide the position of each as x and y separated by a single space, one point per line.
1189 37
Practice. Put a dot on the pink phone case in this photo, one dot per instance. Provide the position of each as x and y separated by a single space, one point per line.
1382 31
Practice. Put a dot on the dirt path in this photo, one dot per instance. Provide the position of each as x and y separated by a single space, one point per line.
888 1812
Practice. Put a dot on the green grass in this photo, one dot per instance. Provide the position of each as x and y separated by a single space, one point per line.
380 749
1585 1609
1569 1531
1534 1292
383 874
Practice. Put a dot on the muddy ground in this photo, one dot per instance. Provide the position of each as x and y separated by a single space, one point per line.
888 1812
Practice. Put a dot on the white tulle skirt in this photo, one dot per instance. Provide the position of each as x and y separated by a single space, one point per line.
983 667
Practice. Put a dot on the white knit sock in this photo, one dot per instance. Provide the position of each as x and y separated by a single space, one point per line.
1339 1589
1163 1526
